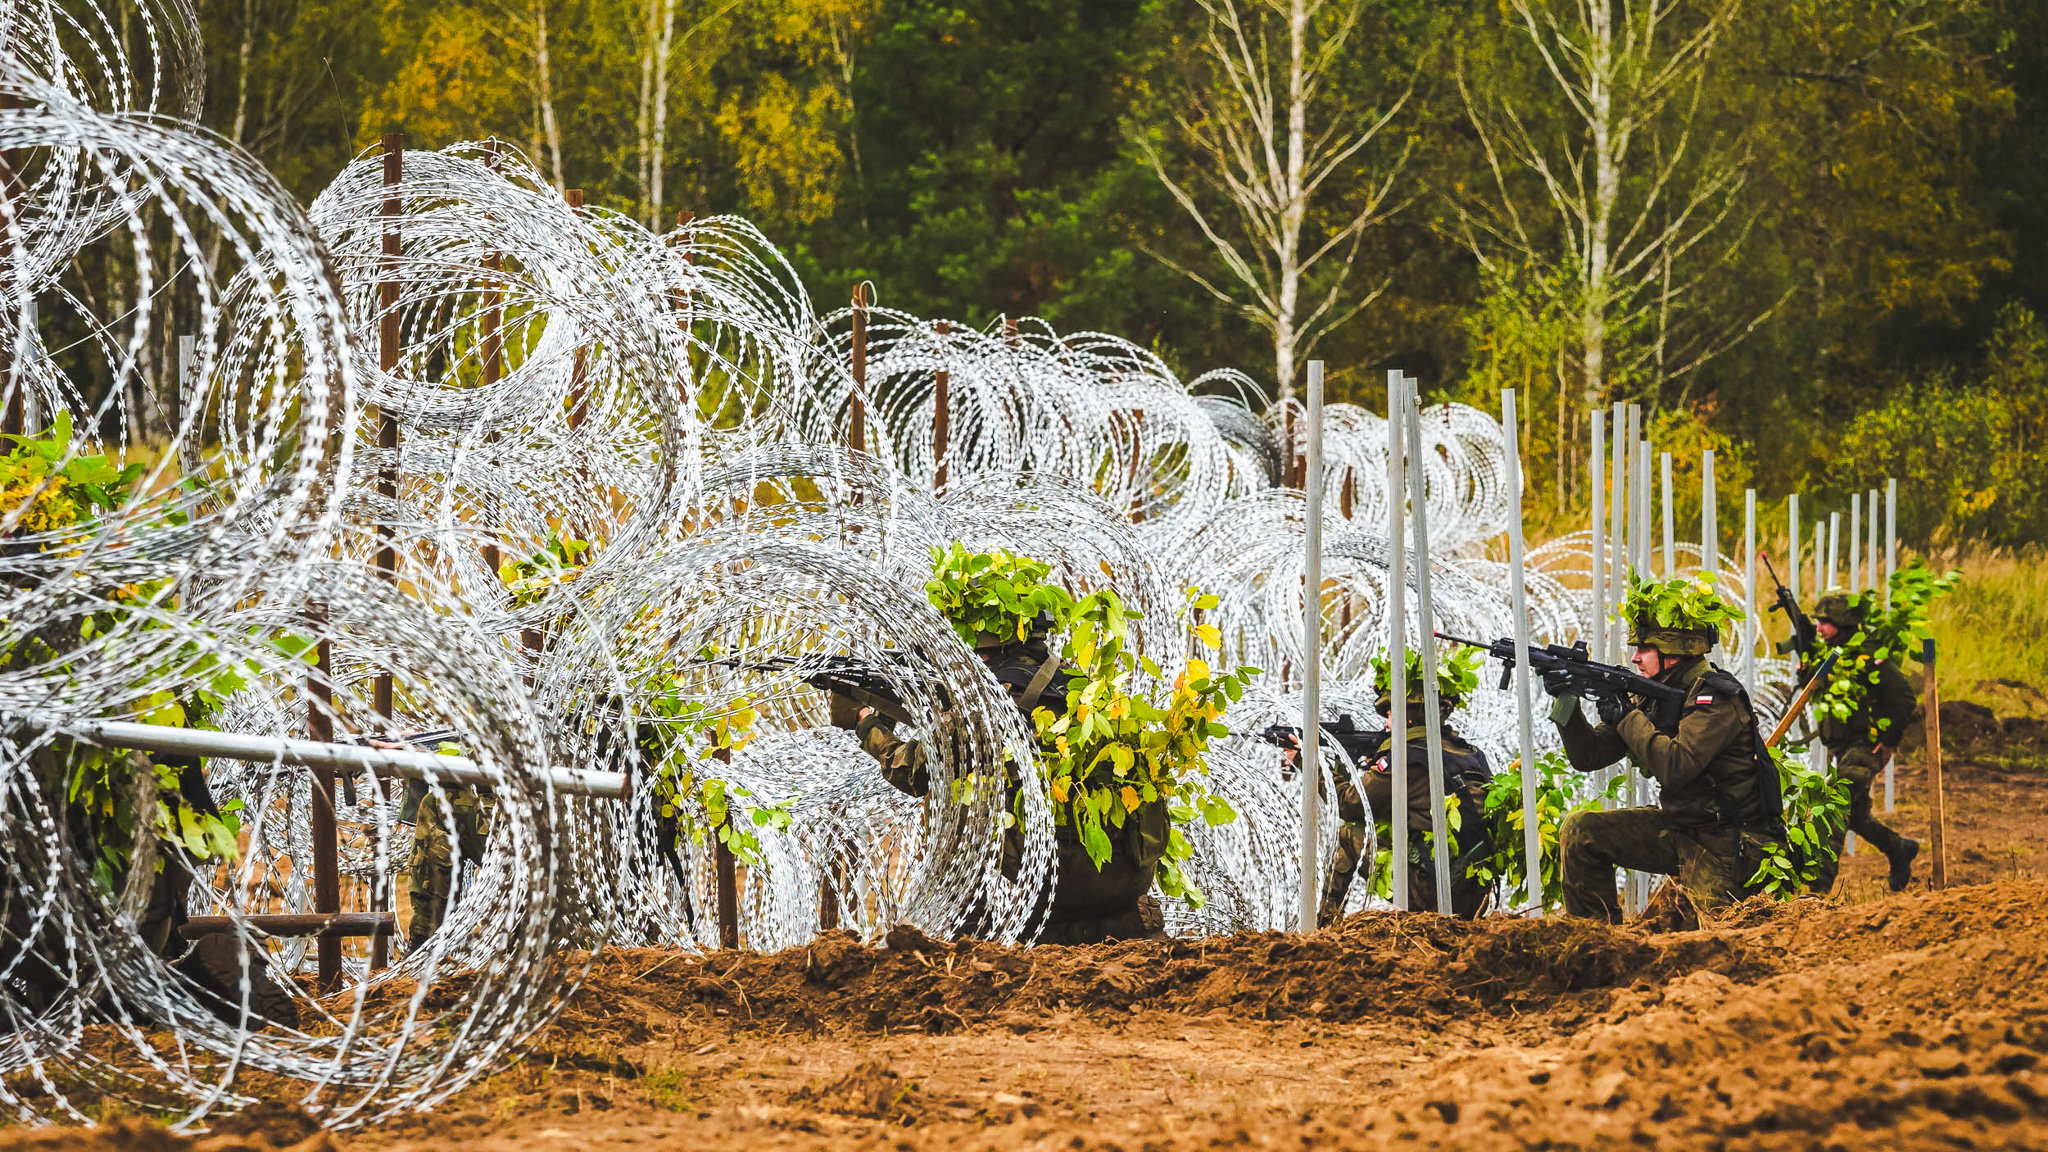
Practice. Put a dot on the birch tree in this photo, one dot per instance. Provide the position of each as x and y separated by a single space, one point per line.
1605 176
1281 166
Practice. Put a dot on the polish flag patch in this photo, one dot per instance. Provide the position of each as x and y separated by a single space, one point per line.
1703 699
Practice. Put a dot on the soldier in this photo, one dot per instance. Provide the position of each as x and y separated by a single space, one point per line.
1466 777
1861 744
1719 802
1089 904
432 871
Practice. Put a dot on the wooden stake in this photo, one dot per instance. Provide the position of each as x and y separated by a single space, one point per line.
325 843
389 349
14 418
857 415
579 398
728 879
490 332
942 416
1937 822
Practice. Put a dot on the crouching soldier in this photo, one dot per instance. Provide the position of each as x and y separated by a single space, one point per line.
1718 804
1089 904
1466 778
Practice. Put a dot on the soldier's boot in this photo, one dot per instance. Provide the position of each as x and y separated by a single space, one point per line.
215 963
1902 863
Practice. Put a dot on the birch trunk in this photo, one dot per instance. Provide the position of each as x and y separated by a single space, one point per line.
658 162
545 92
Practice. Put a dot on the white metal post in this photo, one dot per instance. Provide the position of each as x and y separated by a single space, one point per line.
1891 565
1397 627
1518 605
1749 597
1432 707
1670 537
1617 534
1877 582
1596 620
1645 523
1312 658
1855 542
1891 536
1710 528
1792 543
1834 540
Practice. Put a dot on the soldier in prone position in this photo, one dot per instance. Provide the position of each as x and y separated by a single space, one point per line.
1719 802
1861 744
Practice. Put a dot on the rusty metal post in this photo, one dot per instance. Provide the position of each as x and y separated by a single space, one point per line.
728 879
389 348
942 416
326 846
1937 820
857 417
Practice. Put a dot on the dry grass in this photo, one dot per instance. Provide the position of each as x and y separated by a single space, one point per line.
1992 632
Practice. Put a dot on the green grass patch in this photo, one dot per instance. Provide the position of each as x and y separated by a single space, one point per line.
1992 632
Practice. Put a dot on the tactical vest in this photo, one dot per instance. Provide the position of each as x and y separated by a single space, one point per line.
1751 799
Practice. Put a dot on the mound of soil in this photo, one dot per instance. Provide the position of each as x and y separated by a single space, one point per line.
1928 1027
1375 964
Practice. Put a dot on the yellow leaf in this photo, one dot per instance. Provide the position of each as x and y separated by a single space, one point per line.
1209 634
1130 798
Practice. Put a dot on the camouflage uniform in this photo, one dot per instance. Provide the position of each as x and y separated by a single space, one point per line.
1466 776
1859 746
1712 814
1089 904
432 870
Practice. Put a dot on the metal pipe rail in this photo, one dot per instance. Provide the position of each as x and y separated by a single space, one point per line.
343 759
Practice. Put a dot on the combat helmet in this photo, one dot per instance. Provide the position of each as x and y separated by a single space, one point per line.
1678 617
1457 674
1840 609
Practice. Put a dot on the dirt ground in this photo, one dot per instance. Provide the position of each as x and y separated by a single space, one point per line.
1868 1021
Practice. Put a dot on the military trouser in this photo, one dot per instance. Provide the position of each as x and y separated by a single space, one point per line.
435 858
1352 839
1706 862
1858 767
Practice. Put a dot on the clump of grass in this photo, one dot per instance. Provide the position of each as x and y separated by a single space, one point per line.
1990 632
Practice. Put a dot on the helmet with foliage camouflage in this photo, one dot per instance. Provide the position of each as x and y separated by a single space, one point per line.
1678 617
1457 674
1840 609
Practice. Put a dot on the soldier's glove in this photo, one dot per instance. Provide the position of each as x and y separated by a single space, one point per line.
1612 706
1560 683
1563 709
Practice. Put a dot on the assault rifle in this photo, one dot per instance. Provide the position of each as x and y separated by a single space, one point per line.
858 682
1801 640
1581 675
1358 743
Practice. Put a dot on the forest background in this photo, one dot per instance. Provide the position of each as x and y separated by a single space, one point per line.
1812 234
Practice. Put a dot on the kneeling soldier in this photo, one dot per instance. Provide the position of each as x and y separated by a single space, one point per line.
1718 805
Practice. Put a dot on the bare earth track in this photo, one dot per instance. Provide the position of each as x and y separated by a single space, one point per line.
1916 1021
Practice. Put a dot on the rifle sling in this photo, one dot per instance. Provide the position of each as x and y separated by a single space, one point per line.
1042 677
